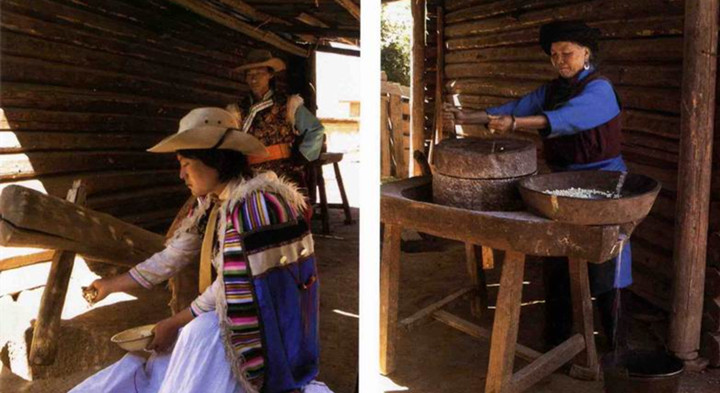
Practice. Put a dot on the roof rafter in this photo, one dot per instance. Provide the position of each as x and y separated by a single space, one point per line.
351 7
203 9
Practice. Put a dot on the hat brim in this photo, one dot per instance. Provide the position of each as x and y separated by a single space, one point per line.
274 63
206 137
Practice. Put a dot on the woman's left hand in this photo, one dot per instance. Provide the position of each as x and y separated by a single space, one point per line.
501 124
166 332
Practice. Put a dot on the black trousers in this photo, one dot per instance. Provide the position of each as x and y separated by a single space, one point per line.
558 302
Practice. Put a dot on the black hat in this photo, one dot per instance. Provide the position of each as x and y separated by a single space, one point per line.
572 30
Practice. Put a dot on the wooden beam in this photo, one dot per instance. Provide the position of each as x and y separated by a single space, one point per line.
417 82
203 9
389 295
311 20
411 321
47 327
339 51
697 116
351 7
17 261
250 11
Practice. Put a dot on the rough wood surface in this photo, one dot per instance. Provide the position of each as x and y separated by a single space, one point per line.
14 262
389 294
417 70
505 324
47 326
583 316
475 258
546 364
32 219
694 174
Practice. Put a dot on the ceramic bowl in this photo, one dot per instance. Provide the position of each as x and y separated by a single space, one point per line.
135 339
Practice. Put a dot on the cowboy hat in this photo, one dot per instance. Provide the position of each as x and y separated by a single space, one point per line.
262 58
210 128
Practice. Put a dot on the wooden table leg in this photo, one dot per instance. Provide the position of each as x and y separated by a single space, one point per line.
389 285
479 302
323 201
46 331
586 365
343 196
505 324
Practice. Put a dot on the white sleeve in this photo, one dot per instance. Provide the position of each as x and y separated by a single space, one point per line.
181 251
206 301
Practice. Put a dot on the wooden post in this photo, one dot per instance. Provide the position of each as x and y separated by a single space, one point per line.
417 83
479 302
389 291
47 326
586 363
505 325
439 76
697 116
398 151
384 137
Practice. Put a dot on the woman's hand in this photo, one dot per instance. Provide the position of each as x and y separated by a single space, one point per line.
166 332
463 116
101 288
501 124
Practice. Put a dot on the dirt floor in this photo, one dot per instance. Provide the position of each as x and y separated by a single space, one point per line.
436 358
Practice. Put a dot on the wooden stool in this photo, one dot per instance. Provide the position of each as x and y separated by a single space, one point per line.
316 184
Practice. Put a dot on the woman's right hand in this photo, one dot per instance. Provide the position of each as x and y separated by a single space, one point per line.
98 290
452 113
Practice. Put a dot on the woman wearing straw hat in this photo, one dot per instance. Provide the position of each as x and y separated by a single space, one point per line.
578 117
254 326
293 135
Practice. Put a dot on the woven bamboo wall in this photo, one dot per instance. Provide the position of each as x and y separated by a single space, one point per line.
493 56
87 86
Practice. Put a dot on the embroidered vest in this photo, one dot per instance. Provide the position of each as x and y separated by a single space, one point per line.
596 144
271 127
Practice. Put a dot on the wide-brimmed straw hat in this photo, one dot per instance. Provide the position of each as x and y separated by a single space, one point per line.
210 128
569 30
262 58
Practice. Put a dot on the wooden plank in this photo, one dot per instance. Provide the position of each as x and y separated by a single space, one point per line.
479 302
389 294
545 365
694 175
417 69
31 141
209 12
14 262
521 351
47 325
412 321
484 11
505 324
583 317
401 164
385 137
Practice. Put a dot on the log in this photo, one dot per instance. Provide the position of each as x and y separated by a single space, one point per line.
694 174
17 261
662 49
19 166
591 11
613 29
29 141
26 70
385 128
399 145
24 119
39 48
32 219
130 49
484 11
47 326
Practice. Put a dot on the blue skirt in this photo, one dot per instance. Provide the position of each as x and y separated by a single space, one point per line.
618 271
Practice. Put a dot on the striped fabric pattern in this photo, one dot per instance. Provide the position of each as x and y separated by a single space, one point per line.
259 209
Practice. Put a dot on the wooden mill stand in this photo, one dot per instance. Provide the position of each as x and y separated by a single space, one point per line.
519 234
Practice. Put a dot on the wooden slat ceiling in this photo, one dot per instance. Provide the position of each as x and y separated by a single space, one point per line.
294 26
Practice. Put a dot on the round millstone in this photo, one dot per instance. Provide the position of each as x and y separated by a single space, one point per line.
475 158
477 194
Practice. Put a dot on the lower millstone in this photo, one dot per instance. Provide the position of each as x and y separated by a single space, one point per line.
477 194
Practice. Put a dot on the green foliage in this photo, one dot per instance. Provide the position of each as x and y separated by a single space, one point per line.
396 29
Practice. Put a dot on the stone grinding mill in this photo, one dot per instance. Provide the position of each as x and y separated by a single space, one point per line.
484 192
